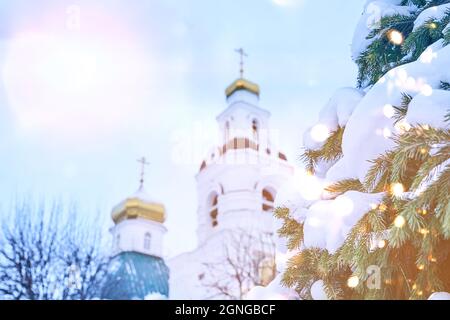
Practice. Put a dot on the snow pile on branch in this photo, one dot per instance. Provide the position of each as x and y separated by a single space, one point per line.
374 11
274 291
440 296
336 113
328 223
435 13
372 119
333 116
429 110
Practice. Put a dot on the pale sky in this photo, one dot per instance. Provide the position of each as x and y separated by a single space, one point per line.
87 87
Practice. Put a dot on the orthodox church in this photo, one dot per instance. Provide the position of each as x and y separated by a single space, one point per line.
137 270
236 184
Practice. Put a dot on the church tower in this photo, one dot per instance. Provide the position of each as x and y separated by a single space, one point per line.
236 186
239 180
137 269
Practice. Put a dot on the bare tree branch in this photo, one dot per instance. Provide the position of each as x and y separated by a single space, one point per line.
49 254
248 261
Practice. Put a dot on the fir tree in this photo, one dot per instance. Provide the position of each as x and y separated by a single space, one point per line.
408 235
383 53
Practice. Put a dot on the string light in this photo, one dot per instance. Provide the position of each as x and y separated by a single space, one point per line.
353 282
400 222
395 37
381 244
397 189
403 126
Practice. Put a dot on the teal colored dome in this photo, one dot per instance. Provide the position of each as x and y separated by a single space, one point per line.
135 276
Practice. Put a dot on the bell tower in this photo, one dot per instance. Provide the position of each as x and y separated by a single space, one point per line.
239 180
244 119
236 187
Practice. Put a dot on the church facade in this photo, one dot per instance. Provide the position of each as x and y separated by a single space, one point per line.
236 184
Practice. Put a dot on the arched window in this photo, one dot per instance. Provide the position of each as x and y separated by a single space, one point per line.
147 241
213 209
255 130
268 196
227 132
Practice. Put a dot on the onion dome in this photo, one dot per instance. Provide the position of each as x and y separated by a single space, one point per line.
139 205
242 84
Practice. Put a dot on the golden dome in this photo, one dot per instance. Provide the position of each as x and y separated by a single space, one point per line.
137 206
242 84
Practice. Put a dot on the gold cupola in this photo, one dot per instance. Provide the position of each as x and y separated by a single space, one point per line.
139 206
242 84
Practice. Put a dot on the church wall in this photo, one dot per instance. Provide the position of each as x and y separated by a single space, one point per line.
130 235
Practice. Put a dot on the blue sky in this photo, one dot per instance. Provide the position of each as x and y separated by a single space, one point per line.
90 86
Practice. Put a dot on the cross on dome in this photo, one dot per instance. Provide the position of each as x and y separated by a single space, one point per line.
241 83
242 54
143 162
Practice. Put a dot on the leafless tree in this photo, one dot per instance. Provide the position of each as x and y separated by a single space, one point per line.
85 259
49 254
248 260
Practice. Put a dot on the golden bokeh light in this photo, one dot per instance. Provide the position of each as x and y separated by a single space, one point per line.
353 282
397 189
400 222
395 37
381 244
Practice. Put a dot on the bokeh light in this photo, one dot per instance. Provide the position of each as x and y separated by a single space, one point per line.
389 111
397 189
399 222
353 282
320 133
395 37
309 186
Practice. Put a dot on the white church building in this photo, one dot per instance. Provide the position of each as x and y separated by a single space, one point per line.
237 185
